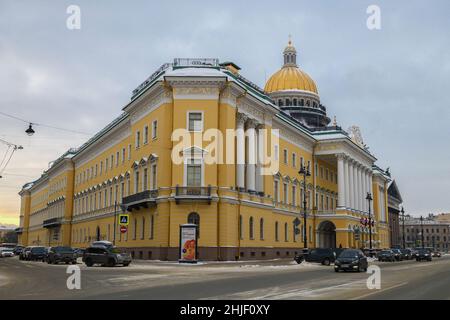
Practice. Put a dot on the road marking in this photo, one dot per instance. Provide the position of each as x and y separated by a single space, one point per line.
379 291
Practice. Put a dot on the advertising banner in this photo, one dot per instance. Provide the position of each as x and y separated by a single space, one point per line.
188 243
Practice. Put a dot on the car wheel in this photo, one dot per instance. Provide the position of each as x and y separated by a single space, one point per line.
126 264
74 262
326 262
111 263
89 262
336 270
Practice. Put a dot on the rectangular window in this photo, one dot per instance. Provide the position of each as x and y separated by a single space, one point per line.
285 193
285 156
195 121
301 161
101 167
136 182
144 180
112 161
123 155
154 181
117 158
129 152
194 173
294 190
154 129
138 139
152 224
106 164
96 169
275 191
294 160
145 134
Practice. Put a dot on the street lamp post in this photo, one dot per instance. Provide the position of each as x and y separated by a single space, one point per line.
369 198
403 227
306 173
422 236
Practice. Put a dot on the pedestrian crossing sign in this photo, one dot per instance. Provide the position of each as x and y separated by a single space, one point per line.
123 219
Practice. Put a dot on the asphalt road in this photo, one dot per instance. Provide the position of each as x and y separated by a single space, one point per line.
281 279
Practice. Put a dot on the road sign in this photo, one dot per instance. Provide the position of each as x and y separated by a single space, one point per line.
297 231
124 219
296 221
123 229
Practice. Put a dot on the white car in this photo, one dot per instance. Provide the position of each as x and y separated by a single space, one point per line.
6 252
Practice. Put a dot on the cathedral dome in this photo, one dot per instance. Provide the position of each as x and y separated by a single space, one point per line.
290 77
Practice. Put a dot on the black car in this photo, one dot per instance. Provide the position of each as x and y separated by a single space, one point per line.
105 256
351 260
299 258
37 254
18 250
407 254
61 254
436 253
398 254
423 254
386 255
325 256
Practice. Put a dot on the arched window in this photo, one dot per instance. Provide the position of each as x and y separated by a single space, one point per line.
135 229
143 228
276 231
288 102
97 234
250 226
307 103
194 218
280 102
261 229
295 102
302 102
152 223
286 232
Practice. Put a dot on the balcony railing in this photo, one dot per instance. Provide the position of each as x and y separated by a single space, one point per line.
192 194
141 199
51 223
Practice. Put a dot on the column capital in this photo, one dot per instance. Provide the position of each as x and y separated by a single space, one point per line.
241 118
341 156
251 123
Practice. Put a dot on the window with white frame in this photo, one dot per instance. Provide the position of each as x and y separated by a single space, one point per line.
195 121
193 172
294 190
144 180
276 191
138 139
154 129
136 182
285 193
154 177
145 134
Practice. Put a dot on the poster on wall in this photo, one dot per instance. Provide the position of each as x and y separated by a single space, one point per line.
188 243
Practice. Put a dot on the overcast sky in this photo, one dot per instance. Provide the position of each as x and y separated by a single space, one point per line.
394 83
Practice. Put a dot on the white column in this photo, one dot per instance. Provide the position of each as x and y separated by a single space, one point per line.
360 196
260 158
341 180
240 151
251 155
346 186
364 188
351 184
355 185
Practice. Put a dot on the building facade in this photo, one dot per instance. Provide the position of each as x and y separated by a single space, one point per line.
435 234
394 201
244 205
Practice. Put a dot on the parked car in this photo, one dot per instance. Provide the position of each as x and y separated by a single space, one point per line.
386 255
18 249
6 252
102 243
299 258
61 254
436 253
79 252
398 254
351 260
24 253
325 256
423 254
37 254
106 256
407 254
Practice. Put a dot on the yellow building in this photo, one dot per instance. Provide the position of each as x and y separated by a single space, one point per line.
244 207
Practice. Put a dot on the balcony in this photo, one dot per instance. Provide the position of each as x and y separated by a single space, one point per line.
51 223
139 200
193 194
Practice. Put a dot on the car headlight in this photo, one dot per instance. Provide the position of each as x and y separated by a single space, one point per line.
355 261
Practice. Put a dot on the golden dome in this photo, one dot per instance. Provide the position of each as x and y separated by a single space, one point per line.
290 78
